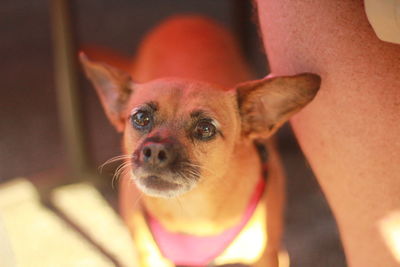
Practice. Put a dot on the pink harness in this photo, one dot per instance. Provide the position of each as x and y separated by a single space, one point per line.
190 250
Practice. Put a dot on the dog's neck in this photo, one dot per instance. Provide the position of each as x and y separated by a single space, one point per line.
212 206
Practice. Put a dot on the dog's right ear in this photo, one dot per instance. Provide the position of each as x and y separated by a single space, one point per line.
265 104
113 87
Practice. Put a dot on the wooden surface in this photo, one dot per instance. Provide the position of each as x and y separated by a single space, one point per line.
82 229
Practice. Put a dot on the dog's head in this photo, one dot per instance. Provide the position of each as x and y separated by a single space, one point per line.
181 132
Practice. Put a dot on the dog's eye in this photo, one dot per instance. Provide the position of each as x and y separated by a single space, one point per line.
141 119
204 130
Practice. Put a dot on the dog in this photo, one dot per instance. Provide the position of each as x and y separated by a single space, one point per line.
195 191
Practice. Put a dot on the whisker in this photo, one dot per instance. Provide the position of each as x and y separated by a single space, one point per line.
123 172
190 164
178 199
192 171
189 174
138 199
114 159
119 171
131 181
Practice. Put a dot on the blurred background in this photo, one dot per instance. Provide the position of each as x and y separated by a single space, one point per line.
32 143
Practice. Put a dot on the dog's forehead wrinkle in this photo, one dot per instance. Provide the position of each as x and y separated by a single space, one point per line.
151 105
201 113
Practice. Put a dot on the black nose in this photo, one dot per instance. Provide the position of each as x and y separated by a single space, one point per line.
157 155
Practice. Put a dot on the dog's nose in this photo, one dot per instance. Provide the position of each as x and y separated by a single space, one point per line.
156 155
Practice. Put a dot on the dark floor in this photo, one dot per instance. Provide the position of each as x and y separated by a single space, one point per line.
30 138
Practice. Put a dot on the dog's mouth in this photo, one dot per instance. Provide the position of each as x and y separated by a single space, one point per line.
157 183
165 185
161 168
165 180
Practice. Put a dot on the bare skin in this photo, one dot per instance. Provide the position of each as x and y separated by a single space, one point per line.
351 132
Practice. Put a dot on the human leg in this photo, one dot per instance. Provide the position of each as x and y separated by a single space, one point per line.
351 132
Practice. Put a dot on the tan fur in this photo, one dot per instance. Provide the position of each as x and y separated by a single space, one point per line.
207 61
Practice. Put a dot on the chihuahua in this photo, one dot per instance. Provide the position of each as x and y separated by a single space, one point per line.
194 191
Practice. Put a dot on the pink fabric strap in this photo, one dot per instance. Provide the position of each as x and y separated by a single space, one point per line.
190 250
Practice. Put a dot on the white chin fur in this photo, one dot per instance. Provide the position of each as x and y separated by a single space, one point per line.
172 193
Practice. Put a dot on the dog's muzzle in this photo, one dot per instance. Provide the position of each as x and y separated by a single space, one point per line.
161 168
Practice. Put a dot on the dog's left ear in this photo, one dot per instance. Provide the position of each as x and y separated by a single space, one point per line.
113 86
266 104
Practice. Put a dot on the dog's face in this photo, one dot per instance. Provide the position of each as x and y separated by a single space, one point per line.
180 133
